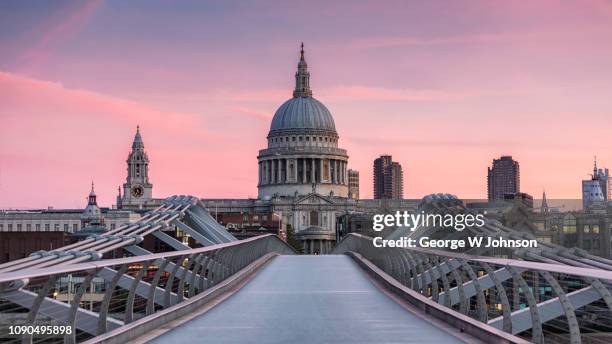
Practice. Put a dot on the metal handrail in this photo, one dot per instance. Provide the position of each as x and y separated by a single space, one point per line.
542 300
93 265
522 264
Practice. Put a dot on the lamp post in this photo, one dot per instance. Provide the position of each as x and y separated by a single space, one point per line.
282 234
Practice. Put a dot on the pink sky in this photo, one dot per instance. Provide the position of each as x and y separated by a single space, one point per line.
444 88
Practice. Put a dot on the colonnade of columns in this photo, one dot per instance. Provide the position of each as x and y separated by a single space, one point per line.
312 246
303 170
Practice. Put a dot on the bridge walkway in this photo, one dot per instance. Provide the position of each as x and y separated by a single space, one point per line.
308 299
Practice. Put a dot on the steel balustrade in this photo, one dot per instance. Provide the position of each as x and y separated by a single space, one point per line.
73 286
110 305
541 302
553 294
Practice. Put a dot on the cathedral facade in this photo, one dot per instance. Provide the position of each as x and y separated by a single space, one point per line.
303 176
303 173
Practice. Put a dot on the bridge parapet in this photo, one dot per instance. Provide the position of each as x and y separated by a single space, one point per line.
538 301
88 299
71 294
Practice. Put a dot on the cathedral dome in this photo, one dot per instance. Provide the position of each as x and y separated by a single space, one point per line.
302 113
302 155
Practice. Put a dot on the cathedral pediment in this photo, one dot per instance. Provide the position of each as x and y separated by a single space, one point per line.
313 198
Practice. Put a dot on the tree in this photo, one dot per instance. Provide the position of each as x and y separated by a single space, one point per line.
292 241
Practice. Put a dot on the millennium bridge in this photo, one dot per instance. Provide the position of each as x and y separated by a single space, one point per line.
259 290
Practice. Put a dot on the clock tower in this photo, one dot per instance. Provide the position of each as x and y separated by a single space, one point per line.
137 191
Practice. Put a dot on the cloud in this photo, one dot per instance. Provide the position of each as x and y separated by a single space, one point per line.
337 92
23 96
69 136
403 41
67 25
251 113
388 94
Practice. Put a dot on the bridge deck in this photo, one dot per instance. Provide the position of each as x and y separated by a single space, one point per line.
308 299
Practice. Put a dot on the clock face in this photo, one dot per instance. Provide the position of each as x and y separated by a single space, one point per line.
137 191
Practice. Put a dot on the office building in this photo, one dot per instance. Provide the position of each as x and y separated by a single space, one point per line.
353 184
503 178
388 178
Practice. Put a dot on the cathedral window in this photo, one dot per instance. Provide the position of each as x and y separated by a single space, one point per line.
314 218
47 227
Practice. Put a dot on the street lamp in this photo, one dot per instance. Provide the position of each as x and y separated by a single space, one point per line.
281 233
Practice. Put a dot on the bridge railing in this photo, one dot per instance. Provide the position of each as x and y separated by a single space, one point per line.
74 303
540 302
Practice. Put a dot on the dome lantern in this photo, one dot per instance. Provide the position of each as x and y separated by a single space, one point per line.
302 113
302 78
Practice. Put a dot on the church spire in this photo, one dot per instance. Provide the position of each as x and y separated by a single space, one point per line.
92 196
302 78
595 172
137 139
544 207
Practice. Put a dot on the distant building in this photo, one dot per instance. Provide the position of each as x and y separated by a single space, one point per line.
353 177
544 209
394 181
597 189
380 166
503 178
587 230
137 190
388 178
603 176
521 198
23 232
244 225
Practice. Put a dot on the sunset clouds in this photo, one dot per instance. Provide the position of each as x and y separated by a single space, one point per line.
444 87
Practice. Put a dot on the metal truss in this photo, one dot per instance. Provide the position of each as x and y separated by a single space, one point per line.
571 304
543 302
74 286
